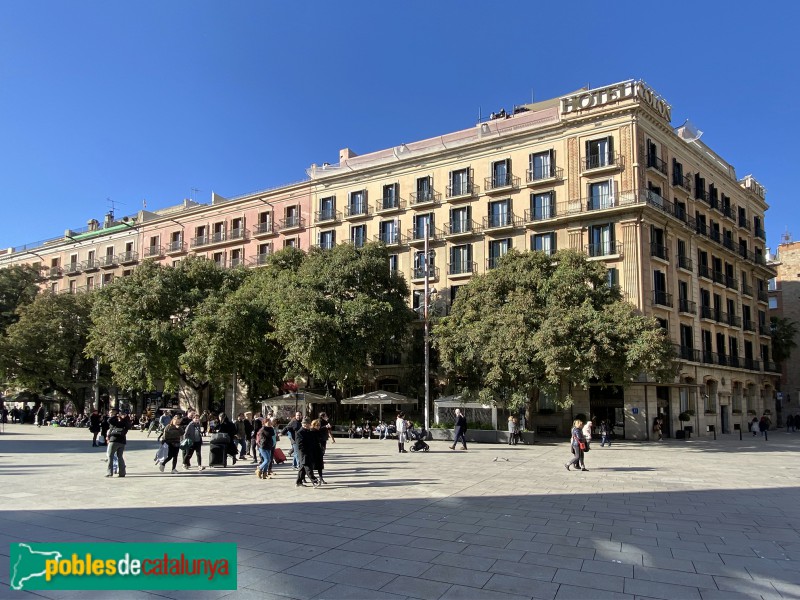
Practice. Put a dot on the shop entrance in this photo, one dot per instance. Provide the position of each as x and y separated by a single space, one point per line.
662 405
608 404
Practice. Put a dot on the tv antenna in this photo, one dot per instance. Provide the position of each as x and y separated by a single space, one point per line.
786 238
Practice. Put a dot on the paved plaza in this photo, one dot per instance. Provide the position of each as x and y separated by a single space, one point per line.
696 519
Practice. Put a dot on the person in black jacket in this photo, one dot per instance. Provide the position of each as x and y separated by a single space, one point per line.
258 423
291 430
225 426
117 438
307 444
94 425
104 429
460 433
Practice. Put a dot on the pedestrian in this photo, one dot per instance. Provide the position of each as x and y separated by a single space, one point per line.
242 433
789 423
763 424
319 459
193 432
252 443
103 429
797 422
225 426
605 433
325 432
40 415
460 432
265 444
117 438
173 433
94 426
657 429
588 430
307 447
291 430
402 431
204 422
512 430
578 446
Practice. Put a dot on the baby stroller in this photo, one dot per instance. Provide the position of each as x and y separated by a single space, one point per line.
419 440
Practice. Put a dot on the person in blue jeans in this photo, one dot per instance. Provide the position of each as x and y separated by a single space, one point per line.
605 433
266 444
291 430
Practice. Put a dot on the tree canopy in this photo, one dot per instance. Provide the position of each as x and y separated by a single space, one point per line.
18 287
784 332
537 322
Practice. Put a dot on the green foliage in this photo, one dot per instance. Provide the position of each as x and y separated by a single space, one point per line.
18 287
43 350
784 332
537 322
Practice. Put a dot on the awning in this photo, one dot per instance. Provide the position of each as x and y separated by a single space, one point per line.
458 401
309 397
379 398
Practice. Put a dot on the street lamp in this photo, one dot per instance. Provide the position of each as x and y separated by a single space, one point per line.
427 327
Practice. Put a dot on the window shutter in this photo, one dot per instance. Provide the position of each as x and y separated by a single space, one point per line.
552 162
469 213
470 177
611 150
611 233
612 192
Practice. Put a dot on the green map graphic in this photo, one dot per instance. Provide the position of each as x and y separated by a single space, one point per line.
29 564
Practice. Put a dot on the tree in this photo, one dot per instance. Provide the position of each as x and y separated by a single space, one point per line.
339 309
537 322
141 324
784 332
18 287
44 349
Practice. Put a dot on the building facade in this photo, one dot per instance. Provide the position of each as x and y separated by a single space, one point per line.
784 302
601 171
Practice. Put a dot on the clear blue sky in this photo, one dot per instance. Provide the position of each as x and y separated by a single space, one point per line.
149 99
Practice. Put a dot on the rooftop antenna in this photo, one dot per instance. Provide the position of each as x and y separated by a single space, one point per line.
113 206
786 238
194 193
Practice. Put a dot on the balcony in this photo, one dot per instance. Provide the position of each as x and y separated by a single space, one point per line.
390 238
701 194
493 261
762 296
461 229
749 325
541 213
501 183
236 261
601 162
684 181
662 298
718 277
687 306
461 191
416 235
389 204
108 261
708 357
751 364
418 273
128 258
720 316
684 262
541 176
54 272
764 329
260 259
771 366
462 268
727 211
731 282
176 247
221 237
686 353
747 290
704 271
655 163
154 251
659 251
90 265
425 198
734 321
501 222
760 233
603 249
199 241
734 361
360 210
706 312
328 215
291 223
262 230
744 224
73 268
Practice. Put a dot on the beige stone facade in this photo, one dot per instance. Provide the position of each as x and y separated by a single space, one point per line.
600 171
784 298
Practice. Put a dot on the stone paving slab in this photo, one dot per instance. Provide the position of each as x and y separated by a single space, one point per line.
679 519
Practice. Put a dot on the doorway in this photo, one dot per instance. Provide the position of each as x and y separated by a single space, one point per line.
726 419
608 404
662 409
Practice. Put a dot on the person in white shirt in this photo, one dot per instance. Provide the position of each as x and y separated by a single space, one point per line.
401 432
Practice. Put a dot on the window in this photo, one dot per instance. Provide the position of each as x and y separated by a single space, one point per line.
498 249
612 277
73 286
500 213
601 240
677 173
460 184
713 196
501 173
291 216
547 401
687 336
391 196
54 288
700 223
200 234
264 250
600 153
419 264
543 206
357 203
544 242
683 395
326 240
660 295
425 189
292 242
73 262
420 221
417 299
394 263
108 278
680 209
454 293
389 232
708 349
236 257
542 165
658 247
652 156
773 302
90 283
218 234
218 258
461 259
327 208
710 398
601 195
358 235
700 187
461 219
264 222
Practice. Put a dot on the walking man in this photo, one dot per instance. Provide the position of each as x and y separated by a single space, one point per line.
460 433
291 430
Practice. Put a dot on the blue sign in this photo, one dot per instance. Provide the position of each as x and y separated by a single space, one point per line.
635 410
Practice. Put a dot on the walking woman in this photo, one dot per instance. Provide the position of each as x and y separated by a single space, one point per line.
195 434
94 425
319 459
578 445
172 437
400 424
513 430
460 431
265 443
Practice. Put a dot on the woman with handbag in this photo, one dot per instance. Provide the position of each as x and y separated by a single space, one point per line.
578 445
172 437
192 443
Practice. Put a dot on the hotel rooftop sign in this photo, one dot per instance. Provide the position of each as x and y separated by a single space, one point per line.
626 90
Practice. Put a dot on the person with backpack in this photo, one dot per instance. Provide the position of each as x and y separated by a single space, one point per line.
194 432
265 442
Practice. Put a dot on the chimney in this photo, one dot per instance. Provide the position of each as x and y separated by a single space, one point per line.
93 224
346 153
109 218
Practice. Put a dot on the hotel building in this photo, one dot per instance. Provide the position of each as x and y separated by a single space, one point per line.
601 171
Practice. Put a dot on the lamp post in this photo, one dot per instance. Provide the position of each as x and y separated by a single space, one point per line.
427 326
